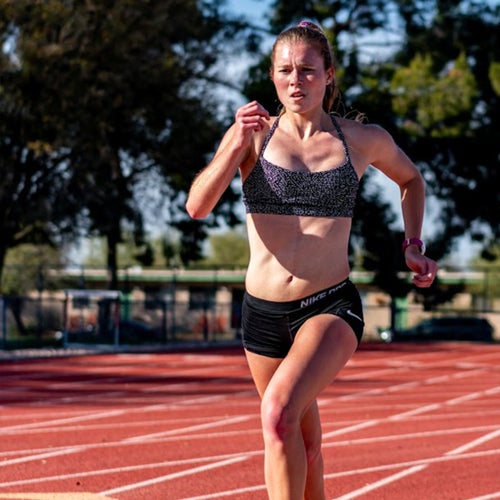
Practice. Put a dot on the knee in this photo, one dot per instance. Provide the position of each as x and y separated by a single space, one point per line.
279 421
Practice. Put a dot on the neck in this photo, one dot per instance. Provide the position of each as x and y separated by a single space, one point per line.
307 124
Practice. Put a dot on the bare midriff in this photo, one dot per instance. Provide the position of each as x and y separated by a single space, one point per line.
295 256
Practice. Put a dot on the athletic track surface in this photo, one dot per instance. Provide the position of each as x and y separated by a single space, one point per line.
402 421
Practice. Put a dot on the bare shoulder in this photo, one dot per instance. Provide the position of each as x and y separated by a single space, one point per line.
369 140
366 133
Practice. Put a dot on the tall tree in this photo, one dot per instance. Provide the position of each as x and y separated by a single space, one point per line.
121 88
32 181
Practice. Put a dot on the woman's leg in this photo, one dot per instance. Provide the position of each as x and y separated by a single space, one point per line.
290 418
311 433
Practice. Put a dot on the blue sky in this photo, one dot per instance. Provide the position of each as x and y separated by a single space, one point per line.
255 10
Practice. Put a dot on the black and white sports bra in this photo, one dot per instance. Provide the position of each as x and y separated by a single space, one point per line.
271 189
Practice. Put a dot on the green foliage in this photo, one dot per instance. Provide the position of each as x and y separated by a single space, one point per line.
488 263
26 268
159 252
228 250
494 74
428 102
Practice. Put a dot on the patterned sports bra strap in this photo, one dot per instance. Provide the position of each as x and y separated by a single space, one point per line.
269 135
342 138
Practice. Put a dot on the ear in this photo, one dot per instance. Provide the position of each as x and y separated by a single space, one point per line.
330 75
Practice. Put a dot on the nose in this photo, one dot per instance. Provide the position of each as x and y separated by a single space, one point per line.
295 77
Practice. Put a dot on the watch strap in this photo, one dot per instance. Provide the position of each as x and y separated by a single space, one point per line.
414 241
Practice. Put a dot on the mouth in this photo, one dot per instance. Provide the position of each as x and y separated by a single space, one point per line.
297 95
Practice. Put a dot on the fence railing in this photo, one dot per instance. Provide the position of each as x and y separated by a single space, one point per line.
36 322
26 321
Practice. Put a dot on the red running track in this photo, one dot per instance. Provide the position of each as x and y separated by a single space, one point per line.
403 421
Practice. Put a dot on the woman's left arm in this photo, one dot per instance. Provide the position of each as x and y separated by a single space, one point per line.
393 162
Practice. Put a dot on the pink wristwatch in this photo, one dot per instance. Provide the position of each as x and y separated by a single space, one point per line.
414 241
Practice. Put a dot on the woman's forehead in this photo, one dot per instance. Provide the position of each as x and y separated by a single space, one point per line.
296 51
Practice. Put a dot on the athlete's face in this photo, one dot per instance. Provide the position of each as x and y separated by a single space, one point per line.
299 76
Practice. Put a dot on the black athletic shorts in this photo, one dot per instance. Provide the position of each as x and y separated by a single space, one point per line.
269 328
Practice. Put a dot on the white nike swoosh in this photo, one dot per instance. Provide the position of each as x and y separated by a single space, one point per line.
350 313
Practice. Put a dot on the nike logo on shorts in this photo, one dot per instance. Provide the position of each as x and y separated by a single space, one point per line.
350 313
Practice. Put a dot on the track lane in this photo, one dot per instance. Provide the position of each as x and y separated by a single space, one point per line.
410 420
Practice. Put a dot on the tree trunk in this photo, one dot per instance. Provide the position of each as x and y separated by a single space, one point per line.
112 242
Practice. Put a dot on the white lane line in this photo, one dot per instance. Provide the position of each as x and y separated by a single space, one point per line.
405 385
175 475
450 402
129 425
226 434
410 435
208 425
130 468
382 482
423 409
351 428
60 421
157 465
412 468
54 496
41 456
457 453
127 441
143 409
229 493
402 415
476 442
416 464
413 463
491 496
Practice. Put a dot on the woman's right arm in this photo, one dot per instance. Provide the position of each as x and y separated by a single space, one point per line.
210 184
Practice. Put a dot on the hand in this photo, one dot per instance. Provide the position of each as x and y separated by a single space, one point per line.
424 267
250 118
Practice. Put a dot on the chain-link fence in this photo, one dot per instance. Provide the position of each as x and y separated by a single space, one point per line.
101 318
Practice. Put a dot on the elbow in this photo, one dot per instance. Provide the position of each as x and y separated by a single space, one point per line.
414 185
195 211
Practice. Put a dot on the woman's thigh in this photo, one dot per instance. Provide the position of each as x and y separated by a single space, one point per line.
321 348
263 369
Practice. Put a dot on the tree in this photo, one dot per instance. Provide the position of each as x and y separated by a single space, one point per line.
25 271
487 263
32 181
120 89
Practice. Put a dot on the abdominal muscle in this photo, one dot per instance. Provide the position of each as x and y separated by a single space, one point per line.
292 257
